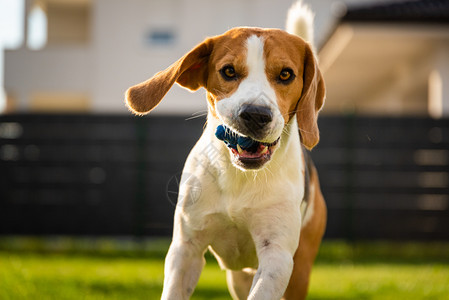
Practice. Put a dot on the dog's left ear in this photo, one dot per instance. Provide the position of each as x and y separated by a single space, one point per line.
190 71
311 101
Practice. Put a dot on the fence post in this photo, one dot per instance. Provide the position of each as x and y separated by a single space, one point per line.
349 177
139 200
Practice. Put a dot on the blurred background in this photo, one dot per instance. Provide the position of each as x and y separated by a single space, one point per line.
78 171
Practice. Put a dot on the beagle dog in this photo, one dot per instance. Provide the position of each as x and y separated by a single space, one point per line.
258 209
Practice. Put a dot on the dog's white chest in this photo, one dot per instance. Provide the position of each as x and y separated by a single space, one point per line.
233 246
234 217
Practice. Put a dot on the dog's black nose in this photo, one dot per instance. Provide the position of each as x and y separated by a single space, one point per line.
255 117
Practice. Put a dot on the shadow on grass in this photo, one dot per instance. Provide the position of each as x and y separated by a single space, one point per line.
331 250
143 290
93 247
334 252
210 293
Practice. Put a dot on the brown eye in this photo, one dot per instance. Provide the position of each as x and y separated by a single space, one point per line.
228 73
286 75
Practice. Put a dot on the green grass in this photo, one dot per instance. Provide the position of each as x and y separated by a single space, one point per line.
41 270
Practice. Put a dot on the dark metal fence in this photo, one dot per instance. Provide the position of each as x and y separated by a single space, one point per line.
383 178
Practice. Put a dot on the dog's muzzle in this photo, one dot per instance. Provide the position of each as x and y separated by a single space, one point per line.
254 120
246 153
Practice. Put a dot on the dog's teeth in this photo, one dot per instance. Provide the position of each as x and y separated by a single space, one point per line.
265 150
239 149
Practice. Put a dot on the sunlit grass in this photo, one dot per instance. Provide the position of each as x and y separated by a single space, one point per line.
380 281
342 271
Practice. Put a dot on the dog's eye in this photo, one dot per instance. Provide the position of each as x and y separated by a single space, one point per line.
286 75
228 73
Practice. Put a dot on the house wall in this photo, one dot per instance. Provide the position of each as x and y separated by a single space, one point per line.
55 70
68 23
125 55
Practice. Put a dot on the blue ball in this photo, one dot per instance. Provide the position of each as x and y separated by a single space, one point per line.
227 136
245 142
232 139
220 132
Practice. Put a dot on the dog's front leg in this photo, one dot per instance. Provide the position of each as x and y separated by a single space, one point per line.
273 274
183 266
276 241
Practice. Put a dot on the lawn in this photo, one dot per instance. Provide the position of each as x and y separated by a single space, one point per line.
342 271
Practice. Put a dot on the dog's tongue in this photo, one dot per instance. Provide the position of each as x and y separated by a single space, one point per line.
260 151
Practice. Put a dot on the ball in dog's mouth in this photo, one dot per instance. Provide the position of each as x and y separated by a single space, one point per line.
246 153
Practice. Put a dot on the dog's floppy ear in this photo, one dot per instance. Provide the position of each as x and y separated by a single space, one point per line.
190 71
311 101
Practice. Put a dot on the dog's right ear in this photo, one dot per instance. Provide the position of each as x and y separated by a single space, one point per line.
311 101
190 71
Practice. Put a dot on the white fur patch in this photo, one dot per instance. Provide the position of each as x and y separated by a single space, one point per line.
255 59
308 208
253 90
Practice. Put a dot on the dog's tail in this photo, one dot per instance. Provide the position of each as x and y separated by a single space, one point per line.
300 22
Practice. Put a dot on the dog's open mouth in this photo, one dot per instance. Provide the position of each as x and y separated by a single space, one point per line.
246 152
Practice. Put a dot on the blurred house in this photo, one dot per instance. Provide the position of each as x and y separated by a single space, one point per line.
383 58
389 58
92 50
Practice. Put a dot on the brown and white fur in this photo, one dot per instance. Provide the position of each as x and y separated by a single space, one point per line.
262 214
